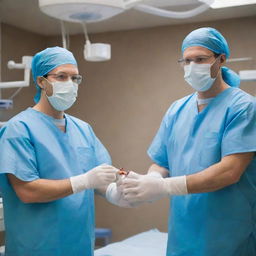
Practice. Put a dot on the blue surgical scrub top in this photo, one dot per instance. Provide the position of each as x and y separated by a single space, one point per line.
32 147
223 222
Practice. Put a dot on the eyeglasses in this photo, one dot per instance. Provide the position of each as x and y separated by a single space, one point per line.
63 77
198 60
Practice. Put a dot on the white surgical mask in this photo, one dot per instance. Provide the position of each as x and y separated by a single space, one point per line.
64 95
199 76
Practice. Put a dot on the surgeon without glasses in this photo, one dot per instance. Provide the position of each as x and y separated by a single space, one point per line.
50 164
204 158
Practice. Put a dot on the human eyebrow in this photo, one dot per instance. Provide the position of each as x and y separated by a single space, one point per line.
202 56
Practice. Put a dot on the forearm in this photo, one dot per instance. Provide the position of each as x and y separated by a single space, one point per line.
211 179
227 172
156 168
41 190
44 190
146 188
50 190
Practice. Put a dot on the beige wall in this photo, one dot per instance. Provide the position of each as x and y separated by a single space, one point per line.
125 99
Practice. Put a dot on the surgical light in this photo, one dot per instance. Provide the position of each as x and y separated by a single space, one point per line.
85 10
231 3
98 10
88 11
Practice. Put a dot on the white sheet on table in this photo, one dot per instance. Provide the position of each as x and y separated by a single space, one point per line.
149 243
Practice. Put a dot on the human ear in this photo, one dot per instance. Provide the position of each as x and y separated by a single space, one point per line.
222 59
41 82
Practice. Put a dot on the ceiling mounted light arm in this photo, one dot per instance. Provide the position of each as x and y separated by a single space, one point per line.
65 36
26 65
128 4
83 23
172 14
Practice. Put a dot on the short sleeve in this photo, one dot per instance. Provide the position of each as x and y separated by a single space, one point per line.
101 153
158 149
240 133
17 155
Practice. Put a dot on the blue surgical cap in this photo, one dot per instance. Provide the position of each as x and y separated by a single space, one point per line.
45 61
213 40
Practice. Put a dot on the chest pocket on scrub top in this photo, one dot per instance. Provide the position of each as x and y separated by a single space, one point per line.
210 150
86 158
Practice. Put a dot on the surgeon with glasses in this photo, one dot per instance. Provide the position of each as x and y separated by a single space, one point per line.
50 164
204 157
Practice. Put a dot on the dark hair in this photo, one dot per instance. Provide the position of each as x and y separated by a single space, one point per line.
216 55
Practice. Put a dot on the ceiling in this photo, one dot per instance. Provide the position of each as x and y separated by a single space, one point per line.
26 14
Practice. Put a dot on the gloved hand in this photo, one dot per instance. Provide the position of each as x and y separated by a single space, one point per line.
97 177
115 196
146 188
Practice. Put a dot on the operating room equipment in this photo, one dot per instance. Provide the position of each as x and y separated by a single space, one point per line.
245 74
175 15
98 10
88 11
6 104
230 3
123 172
96 51
248 74
26 65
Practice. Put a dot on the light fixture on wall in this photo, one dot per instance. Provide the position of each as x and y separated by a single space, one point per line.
247 74
26 65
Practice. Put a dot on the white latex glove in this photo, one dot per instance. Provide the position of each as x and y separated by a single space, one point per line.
115 196
155 174
97 177
134 175
146 188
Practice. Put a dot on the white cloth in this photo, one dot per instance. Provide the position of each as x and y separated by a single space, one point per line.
149 243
